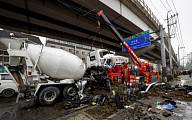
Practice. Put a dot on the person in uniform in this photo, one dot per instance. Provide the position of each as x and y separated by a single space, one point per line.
124 74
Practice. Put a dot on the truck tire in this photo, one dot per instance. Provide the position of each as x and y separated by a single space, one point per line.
69 91
49 95
8 92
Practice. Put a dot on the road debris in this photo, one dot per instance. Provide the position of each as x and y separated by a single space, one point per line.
102 104
177 114
166 114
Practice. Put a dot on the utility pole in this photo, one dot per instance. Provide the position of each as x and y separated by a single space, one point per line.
164 76
170 19
178 57
169 41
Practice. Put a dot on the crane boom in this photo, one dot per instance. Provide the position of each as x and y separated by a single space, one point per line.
127 47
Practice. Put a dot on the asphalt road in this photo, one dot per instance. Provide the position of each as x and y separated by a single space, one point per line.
28 109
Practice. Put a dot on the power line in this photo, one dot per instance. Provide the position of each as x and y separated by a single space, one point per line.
180 30
179 33
174 5
177 27
157 10
178 23
180 45
179 36
172 17
178 39
164 5
170 7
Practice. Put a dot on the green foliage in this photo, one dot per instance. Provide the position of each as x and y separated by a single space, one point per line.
170 77
175 75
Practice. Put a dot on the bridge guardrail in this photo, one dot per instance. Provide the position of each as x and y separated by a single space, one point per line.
147 11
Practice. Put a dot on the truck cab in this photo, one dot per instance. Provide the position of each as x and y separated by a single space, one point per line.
100 57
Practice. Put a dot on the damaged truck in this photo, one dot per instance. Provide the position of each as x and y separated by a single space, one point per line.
51 73
45 72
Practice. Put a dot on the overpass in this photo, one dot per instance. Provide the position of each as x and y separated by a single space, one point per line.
75 21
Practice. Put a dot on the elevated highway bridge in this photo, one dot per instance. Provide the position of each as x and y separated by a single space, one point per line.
76 21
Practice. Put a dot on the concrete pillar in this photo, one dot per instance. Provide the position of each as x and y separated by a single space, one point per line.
159 68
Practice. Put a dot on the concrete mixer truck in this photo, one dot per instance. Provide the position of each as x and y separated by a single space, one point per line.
52 73
45 72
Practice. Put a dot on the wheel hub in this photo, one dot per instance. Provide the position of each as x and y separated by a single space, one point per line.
50 95
71 91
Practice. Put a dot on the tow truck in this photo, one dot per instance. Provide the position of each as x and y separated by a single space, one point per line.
145 70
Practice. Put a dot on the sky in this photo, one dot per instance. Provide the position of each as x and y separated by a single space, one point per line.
184 10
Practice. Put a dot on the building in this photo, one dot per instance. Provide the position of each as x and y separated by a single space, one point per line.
79 50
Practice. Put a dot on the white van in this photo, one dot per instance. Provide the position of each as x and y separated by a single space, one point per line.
7 86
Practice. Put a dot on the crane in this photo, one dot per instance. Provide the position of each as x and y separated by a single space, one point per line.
144 68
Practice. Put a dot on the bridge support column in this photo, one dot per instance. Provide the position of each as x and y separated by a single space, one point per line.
159 68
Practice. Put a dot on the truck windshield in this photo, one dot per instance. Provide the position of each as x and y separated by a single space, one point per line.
103 53
108 62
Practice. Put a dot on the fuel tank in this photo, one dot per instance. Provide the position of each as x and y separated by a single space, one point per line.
57 63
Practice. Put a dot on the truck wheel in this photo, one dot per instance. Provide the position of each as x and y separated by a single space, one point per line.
69 91
49 95
8 92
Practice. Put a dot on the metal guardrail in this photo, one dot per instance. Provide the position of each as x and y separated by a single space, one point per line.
147 11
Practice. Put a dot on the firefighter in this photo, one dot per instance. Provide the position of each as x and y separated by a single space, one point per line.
124 74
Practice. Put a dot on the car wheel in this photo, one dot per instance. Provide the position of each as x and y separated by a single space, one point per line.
49 95
69 91
8 92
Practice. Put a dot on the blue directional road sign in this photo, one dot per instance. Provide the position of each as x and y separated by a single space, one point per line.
137 41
